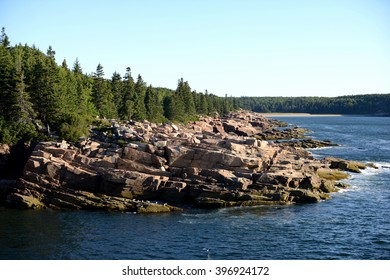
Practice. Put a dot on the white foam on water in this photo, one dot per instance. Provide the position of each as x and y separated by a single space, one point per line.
383 167
349 189
322 148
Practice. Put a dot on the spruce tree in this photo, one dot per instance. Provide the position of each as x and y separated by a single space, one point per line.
21 108
225 108
153 106
177 108
67 92
210 102
77 67
126 109
4 40
43 93
139 99
51 54
203 106
64 64
117 89
6 76
183 92
102 94
170 110
236 104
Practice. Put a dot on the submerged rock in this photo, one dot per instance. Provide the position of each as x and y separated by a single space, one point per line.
309 143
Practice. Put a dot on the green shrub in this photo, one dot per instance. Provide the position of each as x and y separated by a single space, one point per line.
73 126
12 132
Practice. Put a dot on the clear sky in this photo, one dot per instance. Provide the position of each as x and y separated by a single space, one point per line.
239 48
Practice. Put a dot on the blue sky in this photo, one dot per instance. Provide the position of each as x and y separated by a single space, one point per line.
239 48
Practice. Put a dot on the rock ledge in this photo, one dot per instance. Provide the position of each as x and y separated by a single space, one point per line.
146 168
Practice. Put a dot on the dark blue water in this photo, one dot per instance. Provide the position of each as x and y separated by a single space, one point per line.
355 224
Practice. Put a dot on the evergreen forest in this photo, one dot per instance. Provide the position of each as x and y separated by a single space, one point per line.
40 98
371 104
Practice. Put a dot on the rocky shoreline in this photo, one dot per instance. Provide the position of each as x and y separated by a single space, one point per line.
235 160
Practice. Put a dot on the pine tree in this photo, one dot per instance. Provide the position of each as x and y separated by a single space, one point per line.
64 64
77 67
51 54
176 107
210 102
85 95
183 92
98 89
21 108
139 99
117 89
75 105
170 110
84 88
153 106
66 91
181 106
4 40
203 106
43 93
126 109
6 75
236 104
102 95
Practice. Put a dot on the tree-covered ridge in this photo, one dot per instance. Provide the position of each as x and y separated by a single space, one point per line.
39 97
354 104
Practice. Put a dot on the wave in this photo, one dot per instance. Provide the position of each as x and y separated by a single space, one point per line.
385 165
352 188
322 148
382 167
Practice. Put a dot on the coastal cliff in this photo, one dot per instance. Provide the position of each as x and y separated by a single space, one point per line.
236 160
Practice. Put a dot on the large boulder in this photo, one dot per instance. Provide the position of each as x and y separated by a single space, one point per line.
16 200
310 183
226 177
80 179
173 191
304 196
346 165
142 157
208 159
209 203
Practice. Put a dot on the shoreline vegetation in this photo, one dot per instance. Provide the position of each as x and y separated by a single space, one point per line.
365 104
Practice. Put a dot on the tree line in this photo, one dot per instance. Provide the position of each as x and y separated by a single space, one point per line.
39 97
374 104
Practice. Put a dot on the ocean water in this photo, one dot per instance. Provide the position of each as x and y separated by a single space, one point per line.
354 224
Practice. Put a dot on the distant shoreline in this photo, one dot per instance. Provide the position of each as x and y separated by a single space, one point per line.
299 115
